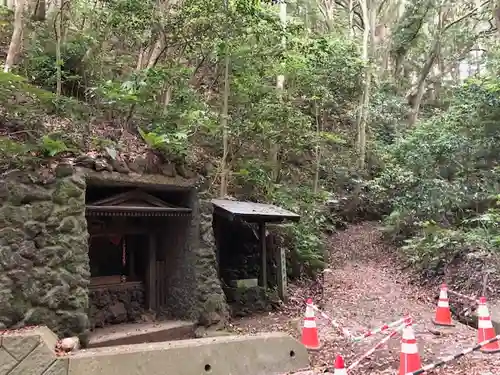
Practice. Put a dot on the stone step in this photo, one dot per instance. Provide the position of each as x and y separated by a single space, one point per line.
139 333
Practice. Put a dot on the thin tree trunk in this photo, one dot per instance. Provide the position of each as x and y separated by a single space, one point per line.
417 101
156 51
224 117
225 130
39 10
318 149
368 38
16 40
280 83
351 18
58 31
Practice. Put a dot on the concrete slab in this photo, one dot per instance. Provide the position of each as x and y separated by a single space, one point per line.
263 354
139 333
27 351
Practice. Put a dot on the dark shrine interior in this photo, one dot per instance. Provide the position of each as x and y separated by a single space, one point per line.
237 249
118 245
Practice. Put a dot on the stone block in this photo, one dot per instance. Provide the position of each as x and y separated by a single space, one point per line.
7 362
20 346
263 354
36 362
32 350
59 367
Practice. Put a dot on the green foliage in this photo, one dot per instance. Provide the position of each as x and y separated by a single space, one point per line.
307 235
40 64
157 68
441 179
174 143
52 147
410 27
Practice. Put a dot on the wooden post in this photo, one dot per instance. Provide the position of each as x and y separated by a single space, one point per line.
262 237
282 275
151 273
131 263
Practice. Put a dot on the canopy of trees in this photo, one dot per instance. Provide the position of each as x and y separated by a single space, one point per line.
339 110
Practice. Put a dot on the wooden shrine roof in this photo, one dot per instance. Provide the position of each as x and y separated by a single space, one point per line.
134 203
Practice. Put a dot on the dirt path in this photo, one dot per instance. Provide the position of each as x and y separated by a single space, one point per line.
365 288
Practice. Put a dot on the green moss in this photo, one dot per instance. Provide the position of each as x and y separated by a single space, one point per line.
17 94
31 115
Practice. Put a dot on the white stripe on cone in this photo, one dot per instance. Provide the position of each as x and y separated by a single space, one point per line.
408 333
309 324
409 348
309 311
482 311
484 324
443 304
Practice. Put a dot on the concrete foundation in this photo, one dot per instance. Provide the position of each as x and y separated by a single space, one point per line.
32 352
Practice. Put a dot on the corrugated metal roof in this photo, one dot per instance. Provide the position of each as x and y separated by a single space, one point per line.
255 211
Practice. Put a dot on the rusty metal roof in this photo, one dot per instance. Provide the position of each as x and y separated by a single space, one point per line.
251 211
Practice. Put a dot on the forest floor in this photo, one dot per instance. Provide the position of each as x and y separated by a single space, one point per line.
365 287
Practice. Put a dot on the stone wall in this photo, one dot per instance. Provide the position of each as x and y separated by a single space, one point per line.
212 305
179 259
248 301
194 288
44 270
116 304
44 264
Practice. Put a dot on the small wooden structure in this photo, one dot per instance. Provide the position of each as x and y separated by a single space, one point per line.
117 219
260 214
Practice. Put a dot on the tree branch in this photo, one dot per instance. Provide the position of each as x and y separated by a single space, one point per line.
467 15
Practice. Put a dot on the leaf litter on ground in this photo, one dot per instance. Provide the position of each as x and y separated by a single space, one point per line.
365 287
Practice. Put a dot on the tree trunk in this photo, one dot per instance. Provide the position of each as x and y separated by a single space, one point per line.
417 100
58 30
318 150
156 51
496 14
16 40
225 130
351 18
369 15
274 147
39 10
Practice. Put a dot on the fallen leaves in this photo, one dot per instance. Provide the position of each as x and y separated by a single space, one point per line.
363 288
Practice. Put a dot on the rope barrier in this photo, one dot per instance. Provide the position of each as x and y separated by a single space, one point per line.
385 327
472 299
332 321
377 346
349 335
445 360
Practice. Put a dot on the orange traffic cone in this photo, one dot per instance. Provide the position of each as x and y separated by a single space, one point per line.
485 329
339 366
443 313
310 337
409 357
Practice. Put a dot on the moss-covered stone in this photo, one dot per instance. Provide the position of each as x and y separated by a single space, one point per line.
44 255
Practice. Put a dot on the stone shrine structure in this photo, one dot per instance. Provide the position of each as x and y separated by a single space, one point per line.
85 245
